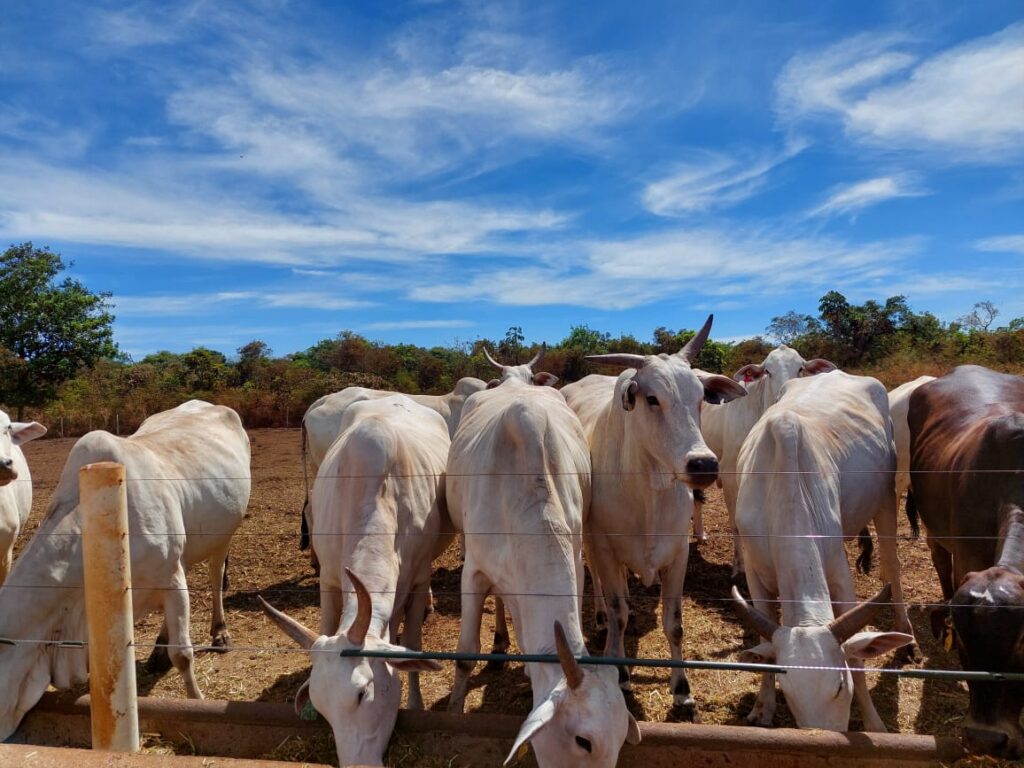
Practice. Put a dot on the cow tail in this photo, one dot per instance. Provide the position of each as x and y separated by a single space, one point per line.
913 516
867 547
304 527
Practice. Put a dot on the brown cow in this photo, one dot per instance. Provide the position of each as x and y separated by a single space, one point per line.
967 475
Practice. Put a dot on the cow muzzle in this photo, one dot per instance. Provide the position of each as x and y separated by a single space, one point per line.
7 472
1002 740
701 471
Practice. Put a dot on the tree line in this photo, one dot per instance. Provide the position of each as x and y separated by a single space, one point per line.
59 363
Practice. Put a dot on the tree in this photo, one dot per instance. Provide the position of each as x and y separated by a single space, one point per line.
50 330
511 346
252 357
789 327
981 317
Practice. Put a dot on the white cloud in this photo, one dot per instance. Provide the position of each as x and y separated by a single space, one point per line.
417 325
711 179
204 303
967 100
625 273
1002 244
850 198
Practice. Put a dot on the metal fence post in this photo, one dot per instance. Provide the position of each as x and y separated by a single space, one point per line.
108 607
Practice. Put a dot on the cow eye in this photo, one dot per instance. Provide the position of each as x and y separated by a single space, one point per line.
585 744
652 400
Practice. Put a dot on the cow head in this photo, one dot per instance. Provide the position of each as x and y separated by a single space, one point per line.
523 372
662 395
988 624
464 387
782 364
358 696
819 698
12 435
583 721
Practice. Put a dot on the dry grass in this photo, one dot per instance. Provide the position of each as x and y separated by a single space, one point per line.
265 559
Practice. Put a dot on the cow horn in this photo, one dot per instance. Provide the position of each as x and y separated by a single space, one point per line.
694 345
539 356
619 358
364 608
854 620
296 631
752 617
571 667
494 362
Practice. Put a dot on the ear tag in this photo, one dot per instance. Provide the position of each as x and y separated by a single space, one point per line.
523 749
308 712
948 634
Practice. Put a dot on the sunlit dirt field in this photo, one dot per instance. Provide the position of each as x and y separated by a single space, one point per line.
265 559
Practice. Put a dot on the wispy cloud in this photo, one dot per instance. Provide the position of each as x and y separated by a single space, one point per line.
204 303
1002 244
967 100
393 325
712 180
850 198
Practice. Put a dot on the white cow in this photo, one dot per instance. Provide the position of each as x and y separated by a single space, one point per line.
321 425
648 453
379 512
899 405
188 487
727 426
15 484
815 469
523 372
518 486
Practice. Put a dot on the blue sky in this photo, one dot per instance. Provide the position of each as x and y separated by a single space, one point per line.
438 170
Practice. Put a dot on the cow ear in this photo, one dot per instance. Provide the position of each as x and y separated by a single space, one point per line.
759 654
816 366
629 395
719 389
408 665
543 714
24 432
632 729
493 383
749 373
870 645
545 379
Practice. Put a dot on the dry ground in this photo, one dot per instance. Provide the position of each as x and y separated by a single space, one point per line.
265 559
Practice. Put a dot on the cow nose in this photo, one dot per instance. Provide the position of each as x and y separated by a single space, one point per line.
702 471
988 741
6 463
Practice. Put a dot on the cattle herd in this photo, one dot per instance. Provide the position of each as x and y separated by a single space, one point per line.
610 471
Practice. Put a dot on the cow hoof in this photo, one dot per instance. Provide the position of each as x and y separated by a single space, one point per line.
159 661
221 642
685 709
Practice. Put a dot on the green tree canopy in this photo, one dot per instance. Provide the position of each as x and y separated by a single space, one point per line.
50 331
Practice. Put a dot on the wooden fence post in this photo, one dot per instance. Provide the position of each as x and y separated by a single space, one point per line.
108 607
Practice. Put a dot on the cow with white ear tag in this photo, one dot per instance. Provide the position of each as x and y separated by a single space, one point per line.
15 484
358 696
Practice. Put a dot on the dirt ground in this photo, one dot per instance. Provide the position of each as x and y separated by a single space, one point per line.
265 560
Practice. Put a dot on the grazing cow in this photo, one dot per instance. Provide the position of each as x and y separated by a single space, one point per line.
899 404
518 487
378 511
814 470
15 484
188 487
321 424
727 426
967 460
645 441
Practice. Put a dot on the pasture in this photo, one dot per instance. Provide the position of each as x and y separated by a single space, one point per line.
265 560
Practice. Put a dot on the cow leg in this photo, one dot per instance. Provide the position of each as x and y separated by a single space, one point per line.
613 579
501 640
6 561
600 608
943 562
218 568
730 490
331 606
475 587
672 579
763 712
176 615
885 527
868 713
698 516
412 637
